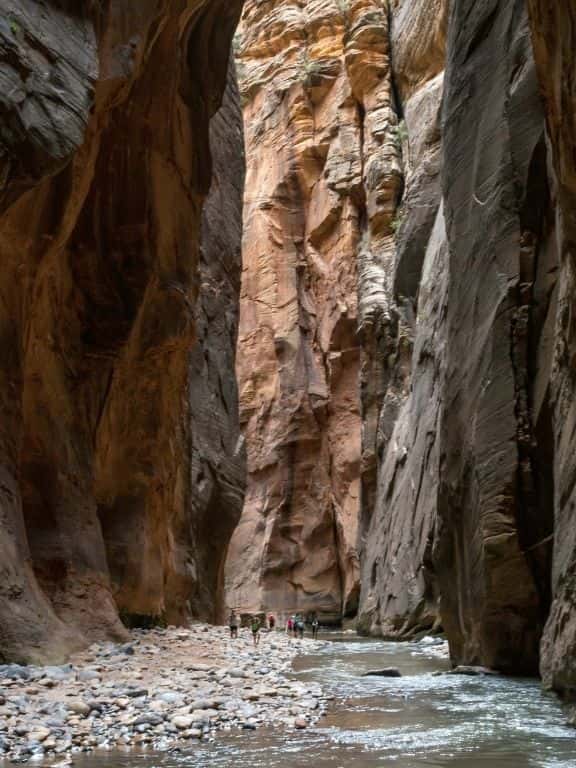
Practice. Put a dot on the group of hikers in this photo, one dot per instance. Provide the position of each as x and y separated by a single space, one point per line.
295 626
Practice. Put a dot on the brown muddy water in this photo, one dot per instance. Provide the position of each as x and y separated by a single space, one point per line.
416 720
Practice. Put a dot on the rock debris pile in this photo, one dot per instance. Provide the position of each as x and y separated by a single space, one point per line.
165 687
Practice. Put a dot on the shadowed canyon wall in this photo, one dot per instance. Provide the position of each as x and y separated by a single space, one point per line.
399 595
473 474
554 38
461 529
120 459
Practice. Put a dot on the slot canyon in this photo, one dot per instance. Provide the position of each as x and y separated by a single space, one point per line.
288 323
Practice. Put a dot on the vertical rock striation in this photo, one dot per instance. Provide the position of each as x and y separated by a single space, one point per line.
399 596
463 512
494 505
107 461
554 34
218 462
323 179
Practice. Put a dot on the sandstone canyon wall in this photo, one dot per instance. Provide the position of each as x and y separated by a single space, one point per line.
461 528
554 39
399 594
322 183
120 460
400 190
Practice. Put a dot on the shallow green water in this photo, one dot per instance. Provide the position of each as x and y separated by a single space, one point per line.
408 722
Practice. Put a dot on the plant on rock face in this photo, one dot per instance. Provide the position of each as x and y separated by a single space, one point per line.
309 68
396 223
400 133
237 42
344 9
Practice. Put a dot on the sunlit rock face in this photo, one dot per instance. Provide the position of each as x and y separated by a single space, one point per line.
115 459
323 177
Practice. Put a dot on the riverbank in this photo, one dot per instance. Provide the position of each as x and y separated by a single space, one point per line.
164 688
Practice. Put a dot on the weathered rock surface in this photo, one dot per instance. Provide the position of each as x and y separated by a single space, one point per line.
553 35
322 178
399 594
464 505
494 504
107 459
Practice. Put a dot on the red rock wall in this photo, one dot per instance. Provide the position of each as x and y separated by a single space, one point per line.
105 166
323 177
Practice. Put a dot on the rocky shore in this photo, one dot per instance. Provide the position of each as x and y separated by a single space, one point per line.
164 688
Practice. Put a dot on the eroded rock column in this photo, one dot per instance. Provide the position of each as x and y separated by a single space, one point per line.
323 178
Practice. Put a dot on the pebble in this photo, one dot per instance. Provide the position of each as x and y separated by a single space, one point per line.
79 707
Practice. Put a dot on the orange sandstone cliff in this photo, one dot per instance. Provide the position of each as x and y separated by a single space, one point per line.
322 184
120 459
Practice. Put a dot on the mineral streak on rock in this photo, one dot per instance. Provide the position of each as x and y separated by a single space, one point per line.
323 181
106 459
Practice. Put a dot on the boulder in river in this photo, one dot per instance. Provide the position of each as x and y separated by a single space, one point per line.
472 671
386 672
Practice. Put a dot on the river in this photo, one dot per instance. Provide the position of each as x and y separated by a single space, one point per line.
419 719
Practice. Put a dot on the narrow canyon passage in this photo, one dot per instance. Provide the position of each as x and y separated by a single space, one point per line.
287 301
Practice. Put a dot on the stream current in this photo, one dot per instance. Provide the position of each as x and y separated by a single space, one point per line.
419 719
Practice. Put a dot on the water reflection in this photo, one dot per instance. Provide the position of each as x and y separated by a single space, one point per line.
420 719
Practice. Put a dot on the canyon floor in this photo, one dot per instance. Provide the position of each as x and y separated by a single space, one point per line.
163 689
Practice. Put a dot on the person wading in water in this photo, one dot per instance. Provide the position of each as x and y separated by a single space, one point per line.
255 627
315 626
300 627
233 624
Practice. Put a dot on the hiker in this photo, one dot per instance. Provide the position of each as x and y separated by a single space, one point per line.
315 626
290 627
233 624
271 622
300 627
255 627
